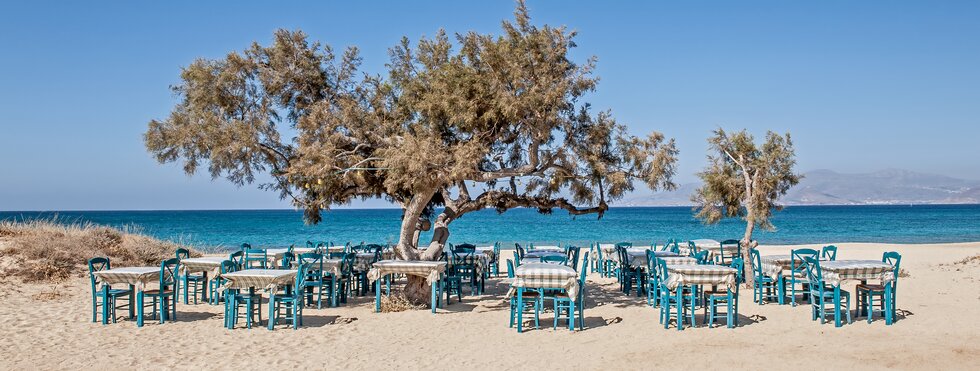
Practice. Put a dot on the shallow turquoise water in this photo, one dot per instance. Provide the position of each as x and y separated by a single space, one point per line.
809 224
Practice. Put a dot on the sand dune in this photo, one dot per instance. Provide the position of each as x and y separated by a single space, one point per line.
49 327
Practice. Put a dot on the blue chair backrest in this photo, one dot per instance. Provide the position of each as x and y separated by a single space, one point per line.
287 259
895 259
182 253
517 258
813 273
228 266
731 245
510 268
301 272
310 244
581 278
572 253
464 247
739 266
692 249
801 254
624 244
520 253
829 253
757 262
246 246
701 257
95 265
168 273
237 257
347 266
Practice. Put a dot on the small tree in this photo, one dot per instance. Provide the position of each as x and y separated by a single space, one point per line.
743 180
497 124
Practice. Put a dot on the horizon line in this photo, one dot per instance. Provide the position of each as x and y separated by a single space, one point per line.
396 208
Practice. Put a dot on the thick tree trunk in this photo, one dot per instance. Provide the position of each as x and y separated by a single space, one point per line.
748 244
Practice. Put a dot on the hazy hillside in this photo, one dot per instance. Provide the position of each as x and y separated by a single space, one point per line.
826 187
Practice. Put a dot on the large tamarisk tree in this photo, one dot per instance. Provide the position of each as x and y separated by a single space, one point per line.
745 180
486 121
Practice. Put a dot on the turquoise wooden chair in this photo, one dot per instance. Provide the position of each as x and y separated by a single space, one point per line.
866 293
238 258
215 284
765 287
572 252
653 280
702 257
822 295
165 294
730 249
628 274
186 279
289 304
612 267
519 251
679 299
452 280
673 246
110 296
314 284
495 261
565 308
828 253
464 257
287 261
253 256
713 298
340 287
531 299
798 272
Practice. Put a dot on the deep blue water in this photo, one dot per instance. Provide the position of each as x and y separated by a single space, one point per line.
803 224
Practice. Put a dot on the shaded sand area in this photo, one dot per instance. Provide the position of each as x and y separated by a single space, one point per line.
49 327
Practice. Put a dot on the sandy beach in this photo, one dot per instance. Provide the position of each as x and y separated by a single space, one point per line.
938 327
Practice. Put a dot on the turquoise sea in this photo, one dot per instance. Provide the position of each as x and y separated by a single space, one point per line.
795 225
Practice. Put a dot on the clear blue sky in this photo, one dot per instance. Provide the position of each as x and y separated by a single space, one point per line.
862 86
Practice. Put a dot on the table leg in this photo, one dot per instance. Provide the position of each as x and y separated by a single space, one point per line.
836 305
334 287
272 310
781 281
680 308
731 315
377 296
433 296
204 290
520 309
105 304
889 315
132 296
139 310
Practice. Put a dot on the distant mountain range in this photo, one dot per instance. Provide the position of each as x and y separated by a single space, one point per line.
826 187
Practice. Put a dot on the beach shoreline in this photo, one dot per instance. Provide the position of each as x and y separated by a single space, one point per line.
48 326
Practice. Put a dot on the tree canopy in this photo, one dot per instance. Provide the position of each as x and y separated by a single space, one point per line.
745 180
456 125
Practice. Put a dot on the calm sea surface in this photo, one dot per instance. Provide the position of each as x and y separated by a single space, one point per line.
795 225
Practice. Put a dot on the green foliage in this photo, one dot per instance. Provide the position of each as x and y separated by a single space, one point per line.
745 180
501 114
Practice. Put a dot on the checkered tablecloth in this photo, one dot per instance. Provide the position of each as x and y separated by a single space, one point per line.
479 260
267 279
675 260
277 254
835 272
136 276
431 270
691 274
543 275
209 264
363 261
774 265
333 266
488 251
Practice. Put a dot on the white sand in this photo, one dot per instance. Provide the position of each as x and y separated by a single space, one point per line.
940 329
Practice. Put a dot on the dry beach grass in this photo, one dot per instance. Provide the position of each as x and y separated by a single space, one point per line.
938 324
